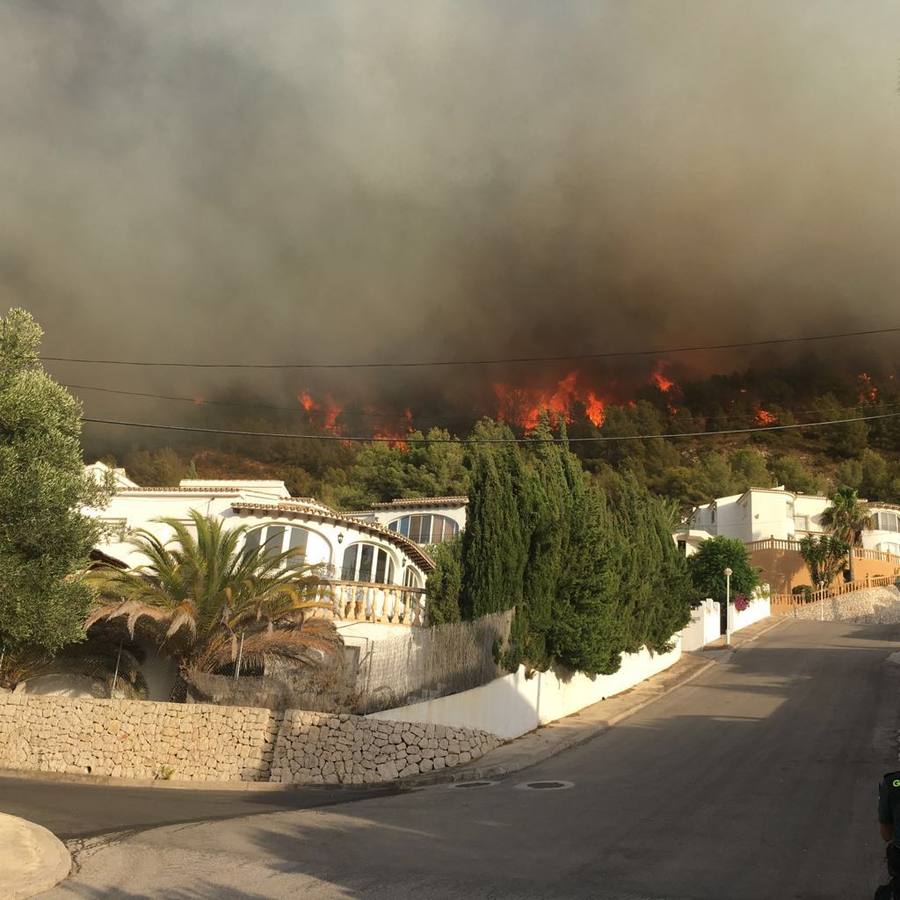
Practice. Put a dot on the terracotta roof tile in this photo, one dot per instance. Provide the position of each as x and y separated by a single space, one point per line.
422 501
410 547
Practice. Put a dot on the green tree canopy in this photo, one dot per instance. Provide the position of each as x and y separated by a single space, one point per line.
44 538
824 557
707 569
845 519
445 582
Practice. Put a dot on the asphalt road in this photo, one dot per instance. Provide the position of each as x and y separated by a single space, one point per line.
85 810
755 781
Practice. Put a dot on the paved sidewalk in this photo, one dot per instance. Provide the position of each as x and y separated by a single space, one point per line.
32 860
536 746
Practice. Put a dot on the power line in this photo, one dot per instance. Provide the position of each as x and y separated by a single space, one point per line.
409 364
514 440
389 417
201 402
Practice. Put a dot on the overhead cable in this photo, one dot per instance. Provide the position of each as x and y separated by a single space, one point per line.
409 364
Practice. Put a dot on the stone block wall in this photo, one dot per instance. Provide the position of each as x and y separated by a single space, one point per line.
199 742
134 739
875 605
318 748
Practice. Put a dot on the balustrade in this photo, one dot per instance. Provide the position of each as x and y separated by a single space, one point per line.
357 601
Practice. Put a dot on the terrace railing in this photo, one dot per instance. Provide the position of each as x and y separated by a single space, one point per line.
360 601
858 552
772 544
784 604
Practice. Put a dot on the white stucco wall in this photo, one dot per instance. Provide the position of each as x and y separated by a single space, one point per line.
755 612
704 628
770 514
514 705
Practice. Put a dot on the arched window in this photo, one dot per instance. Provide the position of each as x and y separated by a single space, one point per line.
412 579
425 529
278 539
367 563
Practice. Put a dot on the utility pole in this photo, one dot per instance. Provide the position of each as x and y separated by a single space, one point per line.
728 574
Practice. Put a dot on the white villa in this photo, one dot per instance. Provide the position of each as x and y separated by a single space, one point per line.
377 572
771 522
776 513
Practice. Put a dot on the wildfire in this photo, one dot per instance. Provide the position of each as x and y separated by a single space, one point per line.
395 437
764 417
523 406
660 380
324 414
868 393
595 409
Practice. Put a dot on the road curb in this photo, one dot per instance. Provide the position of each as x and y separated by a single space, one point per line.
32 859
236 786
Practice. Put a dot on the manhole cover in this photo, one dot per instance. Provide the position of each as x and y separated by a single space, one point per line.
545 785
473 784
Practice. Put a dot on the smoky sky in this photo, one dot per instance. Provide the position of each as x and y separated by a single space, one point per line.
326 181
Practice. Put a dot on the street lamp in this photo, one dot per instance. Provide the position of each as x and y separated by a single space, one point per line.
728 574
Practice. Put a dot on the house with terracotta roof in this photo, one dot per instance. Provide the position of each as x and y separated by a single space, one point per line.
376 574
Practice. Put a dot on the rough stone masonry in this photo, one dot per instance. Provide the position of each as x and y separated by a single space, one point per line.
199 742
320 748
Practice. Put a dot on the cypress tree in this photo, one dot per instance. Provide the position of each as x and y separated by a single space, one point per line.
547 514
586 634
444 583
494 542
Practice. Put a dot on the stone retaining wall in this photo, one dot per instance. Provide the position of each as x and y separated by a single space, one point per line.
135 739
320 748
875 605
198 742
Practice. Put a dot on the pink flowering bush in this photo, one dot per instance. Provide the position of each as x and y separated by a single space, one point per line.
740 602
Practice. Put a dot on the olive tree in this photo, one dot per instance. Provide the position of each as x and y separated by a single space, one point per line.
45 540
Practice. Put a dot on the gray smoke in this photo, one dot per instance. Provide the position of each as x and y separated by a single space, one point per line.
441 178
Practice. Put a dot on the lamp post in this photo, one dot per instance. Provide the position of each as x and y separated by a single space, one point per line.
728 574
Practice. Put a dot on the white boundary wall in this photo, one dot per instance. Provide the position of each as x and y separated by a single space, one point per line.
513 705
705 626
760 608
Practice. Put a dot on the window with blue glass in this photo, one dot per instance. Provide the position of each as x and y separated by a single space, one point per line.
425 529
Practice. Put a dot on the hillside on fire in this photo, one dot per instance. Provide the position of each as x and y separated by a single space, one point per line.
685 438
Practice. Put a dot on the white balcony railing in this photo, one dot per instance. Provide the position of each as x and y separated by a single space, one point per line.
357 601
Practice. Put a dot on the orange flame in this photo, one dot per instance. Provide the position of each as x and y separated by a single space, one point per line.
595 408
395 437
324 414
868 393
523 406
764 417
660 380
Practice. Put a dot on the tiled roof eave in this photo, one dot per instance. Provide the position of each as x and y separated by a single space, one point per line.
422 501
411 548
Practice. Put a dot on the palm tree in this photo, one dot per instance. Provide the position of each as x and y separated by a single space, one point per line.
824 557
846 518
206 600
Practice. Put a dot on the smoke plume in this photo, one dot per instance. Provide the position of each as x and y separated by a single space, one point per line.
434 179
